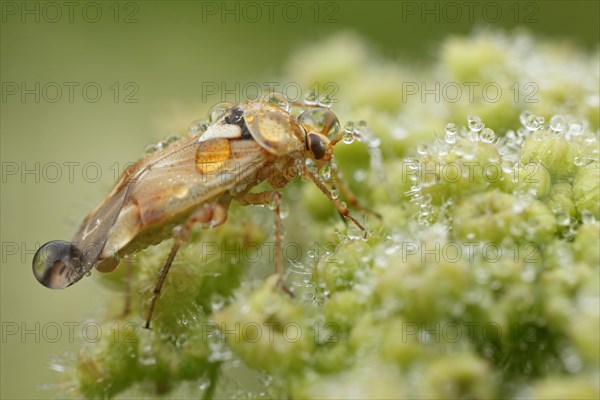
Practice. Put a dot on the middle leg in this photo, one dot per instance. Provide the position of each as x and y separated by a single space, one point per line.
271 197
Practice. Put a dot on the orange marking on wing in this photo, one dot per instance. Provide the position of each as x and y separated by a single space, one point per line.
212 154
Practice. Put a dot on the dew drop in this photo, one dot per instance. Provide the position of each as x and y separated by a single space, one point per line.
475 123
563 219
198 127
348 137
217 302
153 148
450 138
335 193
284 210
533 122
558 123
451 129
524 116
360 175
277 99
181 191
587 217
311 98
487 135
326 101
575 128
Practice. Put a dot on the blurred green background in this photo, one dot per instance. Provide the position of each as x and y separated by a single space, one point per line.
160 54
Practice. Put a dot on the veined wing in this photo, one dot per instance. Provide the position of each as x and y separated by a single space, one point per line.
182 176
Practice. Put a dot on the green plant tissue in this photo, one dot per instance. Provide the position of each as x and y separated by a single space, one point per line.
480 281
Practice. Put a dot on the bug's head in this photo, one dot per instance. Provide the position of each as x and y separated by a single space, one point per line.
58 264
322 133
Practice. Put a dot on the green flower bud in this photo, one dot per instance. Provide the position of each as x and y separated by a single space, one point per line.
462 375
586 190
469 167
532 178
561 387
494 216
586 242
560 201
555 153
267 330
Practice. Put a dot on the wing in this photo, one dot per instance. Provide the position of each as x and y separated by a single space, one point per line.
166 184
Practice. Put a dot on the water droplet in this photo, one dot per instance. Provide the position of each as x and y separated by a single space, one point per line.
524 116
326 101
217 112
153 148
533 122
198 127
311 98
422 149
575 128
203 383
279 100
487 135
450 138
348 137
335 193
587 217
578 161
320 120
475 123
171 139
217 301
181 191
284 210
147 356
558 123
361 127
563 219
360 175
451 129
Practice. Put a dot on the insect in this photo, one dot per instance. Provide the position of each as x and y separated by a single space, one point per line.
194 180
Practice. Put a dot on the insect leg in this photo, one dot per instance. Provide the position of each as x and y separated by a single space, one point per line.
341 183
336 202
266 198
210 215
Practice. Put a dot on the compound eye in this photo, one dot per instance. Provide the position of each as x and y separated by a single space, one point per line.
57 264
320 120
317 145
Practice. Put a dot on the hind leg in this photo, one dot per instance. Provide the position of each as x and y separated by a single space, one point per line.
210 216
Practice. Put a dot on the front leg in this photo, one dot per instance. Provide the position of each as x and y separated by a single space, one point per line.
349 195
342 209
270 197
209 216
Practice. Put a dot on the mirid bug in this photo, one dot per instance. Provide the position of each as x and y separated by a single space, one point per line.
194 180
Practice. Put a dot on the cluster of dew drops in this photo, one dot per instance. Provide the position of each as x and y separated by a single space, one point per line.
509 147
